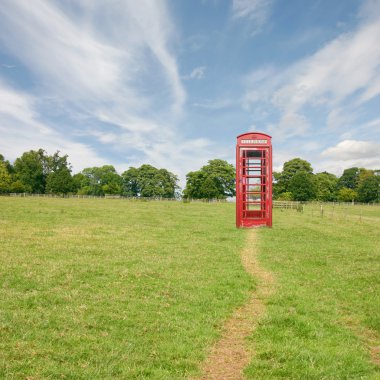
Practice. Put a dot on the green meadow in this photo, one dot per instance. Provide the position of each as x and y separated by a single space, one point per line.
323 322
112 289
117 289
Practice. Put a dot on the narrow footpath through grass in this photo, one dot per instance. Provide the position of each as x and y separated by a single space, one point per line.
230 354
323 322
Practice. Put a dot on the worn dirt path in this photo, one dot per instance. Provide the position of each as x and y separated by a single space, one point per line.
230 354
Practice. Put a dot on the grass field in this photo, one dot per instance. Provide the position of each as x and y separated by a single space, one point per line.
324 320
115 289
111 289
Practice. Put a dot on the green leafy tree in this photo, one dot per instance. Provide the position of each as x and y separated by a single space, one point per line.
349 178
130 185
80 182
93 180
326 186
277 188
286 196
59 179
369 189
60 182
167 182
18 187
194 181
110 180
215 180
111 188
223 175
290 169
209 189
302 186
364 174
347 195
32 169
5 178
100 180
8 165
148 181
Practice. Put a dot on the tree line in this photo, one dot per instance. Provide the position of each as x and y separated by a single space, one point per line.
37 172
298 182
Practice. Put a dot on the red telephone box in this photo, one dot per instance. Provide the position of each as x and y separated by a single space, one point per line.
253 180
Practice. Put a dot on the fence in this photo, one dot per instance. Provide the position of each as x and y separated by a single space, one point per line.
112 196
286 204
338 211
107 196
295 205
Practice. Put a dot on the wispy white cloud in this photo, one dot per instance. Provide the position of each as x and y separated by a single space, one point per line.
112 64
345 66
93 61
290 125
373 123
196 73
215 104
336 79
21 131
7 66
340 117
256 12
59 51
154 24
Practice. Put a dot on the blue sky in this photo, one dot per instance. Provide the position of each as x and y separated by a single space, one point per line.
172 83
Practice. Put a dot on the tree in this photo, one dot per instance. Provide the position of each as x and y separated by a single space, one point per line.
60 182
32 169
302 186
167 182
209 189
99 181
278 188
347 195
215 180
80 181
194 181
59 179
290 169
363 174
286 196
223 175
349 178
18 187
130 185
5 178
8 165
148 181
369 189
325 186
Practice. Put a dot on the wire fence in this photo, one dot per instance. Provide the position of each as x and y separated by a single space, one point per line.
339 211
113 196
314 208
286 204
